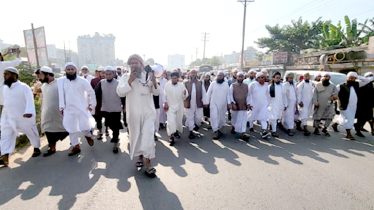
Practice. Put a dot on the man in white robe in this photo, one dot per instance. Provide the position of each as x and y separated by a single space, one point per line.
86 74
239 96
18 115
305 101
259 102
194 103
288 120
141 113
73 92
348 100
51 119
162 115
174 95
218 97
278 102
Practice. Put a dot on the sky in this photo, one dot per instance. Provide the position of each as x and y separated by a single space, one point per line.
158 28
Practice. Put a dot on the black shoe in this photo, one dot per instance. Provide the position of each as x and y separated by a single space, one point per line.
335 127
49 153
176 135
171 141
115 150
216 135
192 135
298 126
265 134
316 132
156 138
244 137
251 130
196 128
36 153
100 137
360 134
290 133
233 130
306 132
274 134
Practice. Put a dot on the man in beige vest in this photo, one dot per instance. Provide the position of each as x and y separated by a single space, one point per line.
194 103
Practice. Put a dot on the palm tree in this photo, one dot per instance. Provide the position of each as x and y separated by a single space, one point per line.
367 30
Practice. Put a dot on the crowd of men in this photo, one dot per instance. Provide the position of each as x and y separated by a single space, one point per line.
77 103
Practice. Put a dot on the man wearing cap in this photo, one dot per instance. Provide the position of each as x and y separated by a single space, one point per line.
277 103
259 102
194 103
305 101
118 73
323 99
18 115
174 95
218 98
86 74
51 118
251 77
97 113
111 104
76 101
240 104
3 65
234 76
141 113
348 97
317 78
206 110
288 120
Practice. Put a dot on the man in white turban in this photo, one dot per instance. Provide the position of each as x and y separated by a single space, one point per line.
18 115
251 77
86 74
348 98
288 119
76 100
277 103
218 98
141 112
259 102
305 101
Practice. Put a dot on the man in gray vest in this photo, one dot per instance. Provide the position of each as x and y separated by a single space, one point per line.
194 103
111 103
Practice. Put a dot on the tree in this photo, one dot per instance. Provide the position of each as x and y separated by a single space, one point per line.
292 38
197 62
214 61
367 30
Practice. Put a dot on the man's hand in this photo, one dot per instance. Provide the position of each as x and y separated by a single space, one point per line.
229 106
27 115
234 107
132 76
18 52
301 104
184 92
62 112
249 107
285 108
89 108
166 106
206 106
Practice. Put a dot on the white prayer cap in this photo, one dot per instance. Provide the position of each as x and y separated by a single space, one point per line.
207 74
83 67
12 69
70 64
263 71
352 74
259 74
325 74
240 73
368 73
109 68
319 74
223 72
252 71
101 68
46 69
235 70
137 57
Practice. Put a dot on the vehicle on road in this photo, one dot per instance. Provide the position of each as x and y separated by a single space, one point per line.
336 78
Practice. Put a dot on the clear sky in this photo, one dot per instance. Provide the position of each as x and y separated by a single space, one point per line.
157 28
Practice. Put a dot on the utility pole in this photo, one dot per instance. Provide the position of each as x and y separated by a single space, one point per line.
244 2
204 40
35 46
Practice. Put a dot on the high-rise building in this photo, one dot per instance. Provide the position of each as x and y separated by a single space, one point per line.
96 49
176 61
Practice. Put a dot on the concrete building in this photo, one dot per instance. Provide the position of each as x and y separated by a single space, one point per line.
250 54
176 61
96 49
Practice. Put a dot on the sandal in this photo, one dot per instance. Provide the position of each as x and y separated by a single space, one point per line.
151 172
139 164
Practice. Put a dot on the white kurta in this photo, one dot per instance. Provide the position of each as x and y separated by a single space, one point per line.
140 115
174 96
162 115
288 120
72 99
259 100
194 115
238 118
18 100
277 104
88 78
305 95
3 66
51 119
218 97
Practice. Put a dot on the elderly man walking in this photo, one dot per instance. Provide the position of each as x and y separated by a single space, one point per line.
141 112
277 103
76 109
288 120
305 101
18 115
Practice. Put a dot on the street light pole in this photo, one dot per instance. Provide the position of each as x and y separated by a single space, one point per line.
244 2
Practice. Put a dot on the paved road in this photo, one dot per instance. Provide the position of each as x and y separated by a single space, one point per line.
284 173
